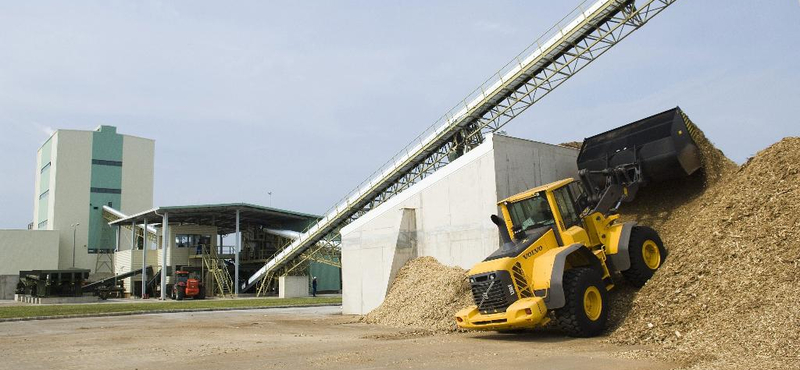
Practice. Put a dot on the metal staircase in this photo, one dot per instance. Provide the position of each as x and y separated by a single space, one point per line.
582 36
218 270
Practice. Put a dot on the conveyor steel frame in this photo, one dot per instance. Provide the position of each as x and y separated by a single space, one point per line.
522 83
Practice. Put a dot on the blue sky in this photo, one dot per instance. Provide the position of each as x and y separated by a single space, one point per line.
307 99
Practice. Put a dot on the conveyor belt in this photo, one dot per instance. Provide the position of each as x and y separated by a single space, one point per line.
585 34
95 284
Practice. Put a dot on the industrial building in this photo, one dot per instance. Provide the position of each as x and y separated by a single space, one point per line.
87 184
77 173
446 215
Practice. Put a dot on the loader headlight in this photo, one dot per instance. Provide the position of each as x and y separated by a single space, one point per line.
471 280
491 277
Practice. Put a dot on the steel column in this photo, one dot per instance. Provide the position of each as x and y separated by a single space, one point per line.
236 255
117 238
144 260
117 242
166 242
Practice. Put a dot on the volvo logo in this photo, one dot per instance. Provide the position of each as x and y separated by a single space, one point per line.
532 252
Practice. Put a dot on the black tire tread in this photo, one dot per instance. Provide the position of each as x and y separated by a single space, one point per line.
567 318
638 274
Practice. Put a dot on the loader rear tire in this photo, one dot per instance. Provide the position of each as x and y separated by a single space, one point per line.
646 252
586 310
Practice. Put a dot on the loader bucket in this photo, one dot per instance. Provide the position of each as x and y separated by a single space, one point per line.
662 144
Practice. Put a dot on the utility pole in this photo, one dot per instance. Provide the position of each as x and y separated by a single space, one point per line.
74 232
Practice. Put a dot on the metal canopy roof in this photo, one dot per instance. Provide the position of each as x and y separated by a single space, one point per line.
223 216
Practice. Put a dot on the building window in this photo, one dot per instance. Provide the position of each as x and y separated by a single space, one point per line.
42 225
44 195
193 241
46 166
104 162
106 191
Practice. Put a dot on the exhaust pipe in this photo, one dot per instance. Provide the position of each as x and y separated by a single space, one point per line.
501 227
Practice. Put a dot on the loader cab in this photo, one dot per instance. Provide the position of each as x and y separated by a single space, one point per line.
556 205
529 214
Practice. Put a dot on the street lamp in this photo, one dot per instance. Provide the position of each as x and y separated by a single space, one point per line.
74 231
270 198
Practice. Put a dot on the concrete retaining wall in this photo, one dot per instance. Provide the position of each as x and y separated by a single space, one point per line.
28 250
8 286
292 286
25 250
445 216
54 300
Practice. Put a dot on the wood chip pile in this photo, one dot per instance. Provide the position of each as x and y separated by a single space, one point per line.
728 295
572 144
425 294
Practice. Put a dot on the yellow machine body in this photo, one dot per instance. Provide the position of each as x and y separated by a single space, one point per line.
536 269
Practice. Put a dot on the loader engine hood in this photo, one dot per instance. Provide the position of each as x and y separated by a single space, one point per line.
512 249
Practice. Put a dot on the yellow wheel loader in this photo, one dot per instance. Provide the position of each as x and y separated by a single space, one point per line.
562 243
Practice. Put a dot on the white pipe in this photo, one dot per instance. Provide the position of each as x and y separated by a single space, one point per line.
288 234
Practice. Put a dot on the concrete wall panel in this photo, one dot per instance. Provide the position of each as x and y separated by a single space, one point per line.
138 155
28 250
293 286
444 205
72 165
522 164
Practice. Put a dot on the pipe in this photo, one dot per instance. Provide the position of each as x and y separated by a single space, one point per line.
501 227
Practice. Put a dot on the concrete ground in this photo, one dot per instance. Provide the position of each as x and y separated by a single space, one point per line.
293 338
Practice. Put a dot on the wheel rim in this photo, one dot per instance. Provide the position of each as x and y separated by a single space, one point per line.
651 254
592 303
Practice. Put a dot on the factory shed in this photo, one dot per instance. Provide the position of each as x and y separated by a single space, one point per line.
195 242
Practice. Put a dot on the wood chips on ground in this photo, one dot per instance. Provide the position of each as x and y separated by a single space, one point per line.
728 295
425 294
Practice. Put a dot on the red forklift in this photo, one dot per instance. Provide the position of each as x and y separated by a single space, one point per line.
187 285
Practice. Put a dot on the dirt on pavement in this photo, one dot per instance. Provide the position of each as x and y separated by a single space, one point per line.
297 338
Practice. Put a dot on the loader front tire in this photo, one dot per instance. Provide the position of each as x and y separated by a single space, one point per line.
646 252
586 310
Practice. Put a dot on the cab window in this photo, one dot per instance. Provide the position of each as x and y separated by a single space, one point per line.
566 206
531 213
